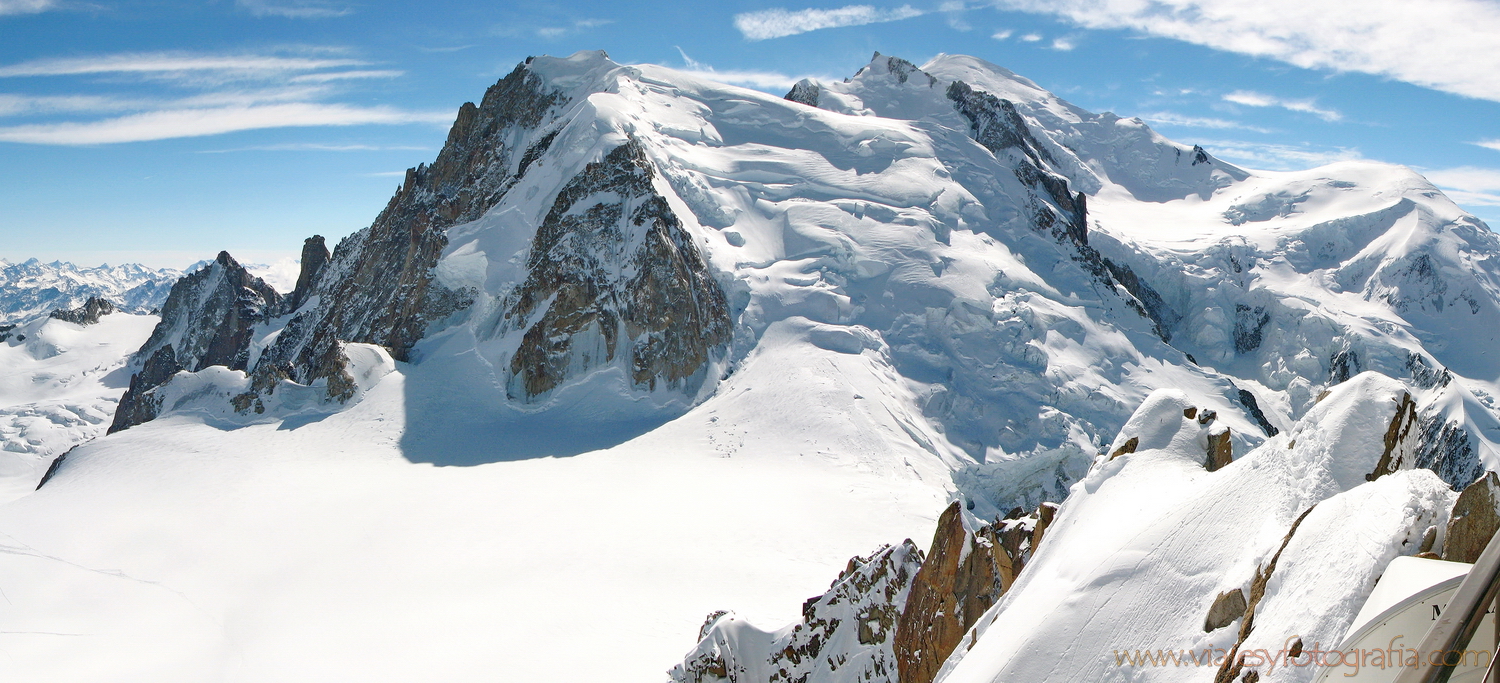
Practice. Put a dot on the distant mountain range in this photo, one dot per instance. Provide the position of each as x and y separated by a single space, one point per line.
32 288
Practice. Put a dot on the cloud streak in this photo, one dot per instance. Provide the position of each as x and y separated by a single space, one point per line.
779 23
1446 45
1277 157
1255 99
1468 184
293 9
227 93
1171 119
164 62
183 123
25 6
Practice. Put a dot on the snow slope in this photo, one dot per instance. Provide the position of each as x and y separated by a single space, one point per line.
939 283
1147 541
59 383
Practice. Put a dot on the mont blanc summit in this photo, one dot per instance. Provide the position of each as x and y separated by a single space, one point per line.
638 347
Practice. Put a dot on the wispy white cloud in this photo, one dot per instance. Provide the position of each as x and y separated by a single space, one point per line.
182 123
1031 37
1255 99
1277 157
25 105
778 23
165 62
1003 34
1468 184
227 93
761 80
317 147
294 9
1171 119
25 6
568 29
1064 44
347 75
1447 45
1492 144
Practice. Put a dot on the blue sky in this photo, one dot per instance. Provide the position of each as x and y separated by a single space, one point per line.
161 132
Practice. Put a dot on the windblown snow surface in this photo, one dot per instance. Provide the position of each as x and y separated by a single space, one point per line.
913 324
59 383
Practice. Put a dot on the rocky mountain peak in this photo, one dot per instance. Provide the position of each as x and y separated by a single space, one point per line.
208 319
87 314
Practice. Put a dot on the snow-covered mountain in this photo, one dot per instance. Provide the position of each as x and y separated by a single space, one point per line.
32 289
696 346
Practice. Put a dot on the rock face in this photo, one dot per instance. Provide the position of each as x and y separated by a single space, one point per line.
1476 517
1228 606
965 573
378 286
845 634
611 272
208 319
87 314
315 258
804 92
651 296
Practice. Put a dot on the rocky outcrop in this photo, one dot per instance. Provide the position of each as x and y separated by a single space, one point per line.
995 123
1474 521
314 261
1398 446
804 92
1228 606
379 285
1220 450
1152 305
208 320
1249 326
845 634
964 575
87 314
1252 408
1234 663
611 270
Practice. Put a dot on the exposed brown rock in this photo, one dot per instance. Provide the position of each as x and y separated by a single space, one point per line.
1127 447
1395 438
1474 520
1233 663
949 594
1190 413
1207 416
1227 607
1045 513
1220 450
